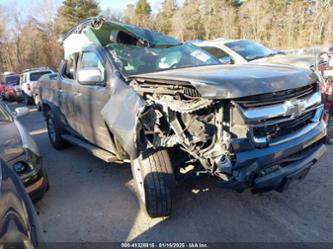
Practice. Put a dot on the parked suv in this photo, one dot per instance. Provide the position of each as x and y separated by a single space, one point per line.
170 109
29 79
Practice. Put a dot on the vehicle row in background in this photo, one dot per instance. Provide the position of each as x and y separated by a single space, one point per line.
19 87
9 84
28 81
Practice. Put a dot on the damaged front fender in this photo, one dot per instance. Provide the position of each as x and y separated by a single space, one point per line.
122 115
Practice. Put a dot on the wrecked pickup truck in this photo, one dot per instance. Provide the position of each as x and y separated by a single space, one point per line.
127 94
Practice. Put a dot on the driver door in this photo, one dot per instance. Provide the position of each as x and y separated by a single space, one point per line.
90 100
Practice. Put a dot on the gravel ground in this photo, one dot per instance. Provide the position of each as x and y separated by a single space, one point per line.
91 200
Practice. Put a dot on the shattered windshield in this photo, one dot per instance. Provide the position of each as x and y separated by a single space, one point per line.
250 50
134 59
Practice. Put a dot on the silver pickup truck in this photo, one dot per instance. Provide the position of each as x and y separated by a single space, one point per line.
127 94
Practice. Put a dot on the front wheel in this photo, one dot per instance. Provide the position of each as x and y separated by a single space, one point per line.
155 182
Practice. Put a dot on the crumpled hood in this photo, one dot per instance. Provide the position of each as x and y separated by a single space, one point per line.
302 61
234 81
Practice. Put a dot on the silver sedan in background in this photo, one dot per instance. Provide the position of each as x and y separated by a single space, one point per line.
21 153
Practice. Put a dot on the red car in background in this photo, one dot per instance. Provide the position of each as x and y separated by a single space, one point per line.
7 86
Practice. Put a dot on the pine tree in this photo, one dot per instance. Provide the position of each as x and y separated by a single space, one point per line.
73 11
142 14
142 8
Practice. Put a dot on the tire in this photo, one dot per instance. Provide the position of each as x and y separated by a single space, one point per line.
54 131
155 182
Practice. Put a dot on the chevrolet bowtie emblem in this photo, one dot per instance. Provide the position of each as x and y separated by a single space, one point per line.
294 108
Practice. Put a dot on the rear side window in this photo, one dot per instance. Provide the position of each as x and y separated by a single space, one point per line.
70 67
219 53
12 79
36 75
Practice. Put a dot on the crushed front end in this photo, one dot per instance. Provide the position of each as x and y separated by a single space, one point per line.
259 142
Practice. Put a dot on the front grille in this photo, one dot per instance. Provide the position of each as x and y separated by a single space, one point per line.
281 116
277 130
277 97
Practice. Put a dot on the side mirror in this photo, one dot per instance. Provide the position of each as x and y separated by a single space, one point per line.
21 111
91 75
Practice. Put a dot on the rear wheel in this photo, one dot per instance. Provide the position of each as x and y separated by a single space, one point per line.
54 131
155 183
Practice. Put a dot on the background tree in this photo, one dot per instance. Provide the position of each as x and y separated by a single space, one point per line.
129 14
142 14
27 41
164 17
188 21
73 11
219 18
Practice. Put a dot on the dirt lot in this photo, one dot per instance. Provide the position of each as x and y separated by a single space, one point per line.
90 200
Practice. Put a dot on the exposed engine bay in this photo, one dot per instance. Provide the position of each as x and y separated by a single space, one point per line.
206 129
181 117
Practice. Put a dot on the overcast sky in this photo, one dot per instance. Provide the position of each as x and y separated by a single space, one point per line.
115 5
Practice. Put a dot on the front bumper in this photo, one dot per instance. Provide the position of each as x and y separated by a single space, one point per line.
37 186
35 182
273 167
297 170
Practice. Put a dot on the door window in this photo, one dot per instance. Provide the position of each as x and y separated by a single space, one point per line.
70 67
220 54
